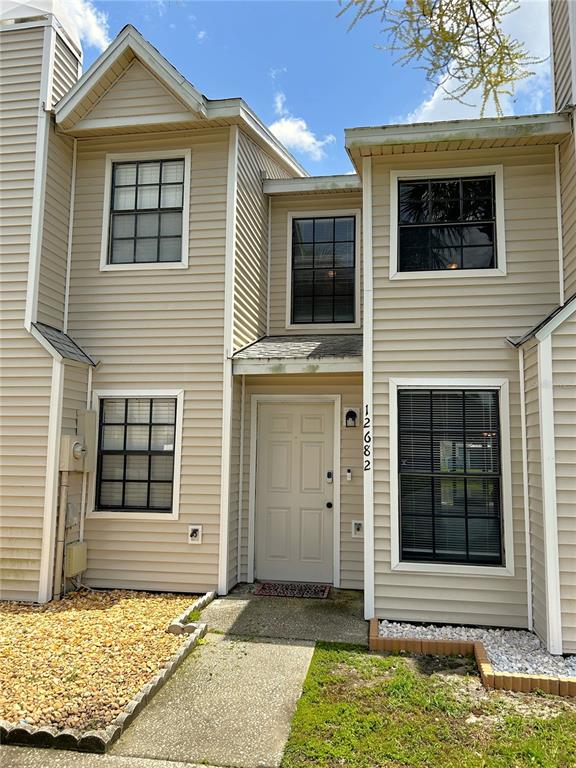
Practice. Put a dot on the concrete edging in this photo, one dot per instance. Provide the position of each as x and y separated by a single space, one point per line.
180 626
100 741
500 681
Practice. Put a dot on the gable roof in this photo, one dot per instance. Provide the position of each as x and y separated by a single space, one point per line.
197 111
547 326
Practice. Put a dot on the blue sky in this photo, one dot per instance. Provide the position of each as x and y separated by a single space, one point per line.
298 67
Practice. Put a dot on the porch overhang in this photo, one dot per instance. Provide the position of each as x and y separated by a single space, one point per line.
310 354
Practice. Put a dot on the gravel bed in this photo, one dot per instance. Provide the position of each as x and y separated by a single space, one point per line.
509 650
76 662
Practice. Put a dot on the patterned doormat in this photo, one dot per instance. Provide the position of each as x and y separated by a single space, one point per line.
278 589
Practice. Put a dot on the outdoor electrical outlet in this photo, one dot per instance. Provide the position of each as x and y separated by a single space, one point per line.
357 529
194 534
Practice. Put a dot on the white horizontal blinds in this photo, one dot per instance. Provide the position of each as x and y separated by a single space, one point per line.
450 476
146 212
323 269
446 224
136 454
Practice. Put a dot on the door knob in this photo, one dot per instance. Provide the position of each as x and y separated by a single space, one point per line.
329 505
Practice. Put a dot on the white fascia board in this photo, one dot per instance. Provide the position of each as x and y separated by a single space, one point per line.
275 366
554 322
237 109
130 39
349 182
457 130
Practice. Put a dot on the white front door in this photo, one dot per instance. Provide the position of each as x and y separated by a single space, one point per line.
294 499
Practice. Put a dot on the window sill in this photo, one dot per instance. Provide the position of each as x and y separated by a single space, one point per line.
448 274
121 515
323 326
456 569
143 266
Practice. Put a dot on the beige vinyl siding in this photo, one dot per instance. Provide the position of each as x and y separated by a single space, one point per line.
349 386
52 280
158 329
456 328
26 367
282 205
137 93
234 493
535 501
65 69
251 275
73 400
564 375
562 63
568 194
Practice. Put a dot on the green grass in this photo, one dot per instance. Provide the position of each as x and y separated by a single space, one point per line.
360 710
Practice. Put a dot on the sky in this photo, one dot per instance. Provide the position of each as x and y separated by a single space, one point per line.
299 67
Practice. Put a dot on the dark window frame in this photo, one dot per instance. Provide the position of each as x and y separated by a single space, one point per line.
318 269
456 475
126 452
457 224
136 211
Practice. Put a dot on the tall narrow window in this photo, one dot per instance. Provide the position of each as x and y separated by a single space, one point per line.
136 454
323 269
446 224
450 476
146 212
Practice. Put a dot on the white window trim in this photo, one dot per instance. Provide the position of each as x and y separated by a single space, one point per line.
502 386
100 394
429 173
357 234
161 154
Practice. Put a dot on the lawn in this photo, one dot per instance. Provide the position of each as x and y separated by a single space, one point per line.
77 662
362 710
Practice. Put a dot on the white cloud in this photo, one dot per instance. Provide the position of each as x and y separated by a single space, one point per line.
90 23
274 73
294 132
530 25
201 35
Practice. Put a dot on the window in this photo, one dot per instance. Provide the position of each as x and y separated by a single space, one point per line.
136 451
323 269
146 211
450 479
446 223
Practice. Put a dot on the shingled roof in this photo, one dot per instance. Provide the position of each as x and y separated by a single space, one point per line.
63 344
310 347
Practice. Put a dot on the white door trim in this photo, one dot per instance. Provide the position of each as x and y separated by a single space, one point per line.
292 399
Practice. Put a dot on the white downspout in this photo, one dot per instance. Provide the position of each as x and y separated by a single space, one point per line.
241 479
85 474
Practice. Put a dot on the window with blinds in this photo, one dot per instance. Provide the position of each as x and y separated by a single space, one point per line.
136 454
450 476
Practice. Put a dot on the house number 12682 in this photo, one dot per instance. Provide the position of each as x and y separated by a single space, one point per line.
367 440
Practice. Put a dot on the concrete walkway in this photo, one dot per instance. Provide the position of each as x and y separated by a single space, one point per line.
231 702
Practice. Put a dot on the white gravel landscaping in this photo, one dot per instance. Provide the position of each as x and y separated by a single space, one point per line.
509 650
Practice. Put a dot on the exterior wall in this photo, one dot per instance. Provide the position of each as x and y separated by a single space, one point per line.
562 64
52 280
564 373
158 329
26 367
349 386
282 205
568 194
535 499
137 93
73 400
456 327
65 69
251 275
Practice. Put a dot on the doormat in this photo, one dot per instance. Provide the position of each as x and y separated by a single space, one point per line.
277 589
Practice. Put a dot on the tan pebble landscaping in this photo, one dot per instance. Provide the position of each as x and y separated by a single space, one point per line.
77 662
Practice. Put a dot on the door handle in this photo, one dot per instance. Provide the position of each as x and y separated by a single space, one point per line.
329 505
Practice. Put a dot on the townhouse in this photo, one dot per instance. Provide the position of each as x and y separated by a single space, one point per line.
216 368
